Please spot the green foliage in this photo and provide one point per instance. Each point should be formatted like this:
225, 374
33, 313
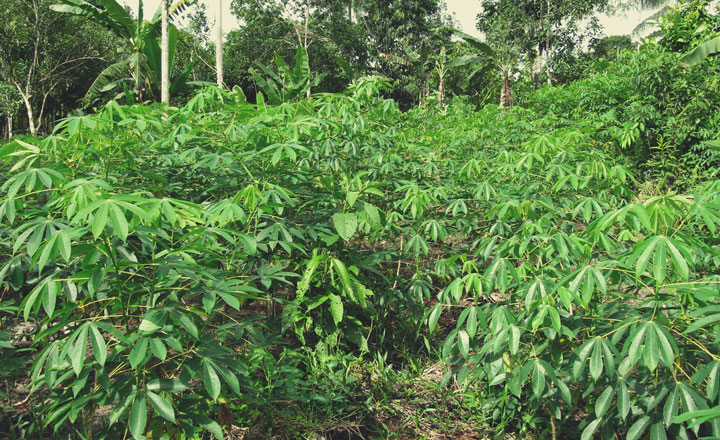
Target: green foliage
142, 40
286, 85
266, 260
647, 106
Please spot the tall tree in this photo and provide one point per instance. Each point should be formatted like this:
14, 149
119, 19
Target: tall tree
219, 59
143, 62
343, 37
10, 104
533, 26
165, 54
39, 54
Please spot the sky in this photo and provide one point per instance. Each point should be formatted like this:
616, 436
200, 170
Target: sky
463, 10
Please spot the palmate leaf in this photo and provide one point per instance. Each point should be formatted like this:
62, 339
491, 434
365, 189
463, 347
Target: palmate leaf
599, 353
707, 212
659, 249
584, 282
500, 274
652, 342
663, 211
114, 210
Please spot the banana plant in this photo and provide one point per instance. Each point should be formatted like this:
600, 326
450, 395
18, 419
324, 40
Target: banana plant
701, 52
417, 62
141, 37
286, 85
489, 60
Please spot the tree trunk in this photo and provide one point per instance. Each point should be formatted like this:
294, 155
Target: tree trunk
31, 116
305, 43
219, 48
506, 99
10, 127
547, 49
165, 56
536, 66
441, 90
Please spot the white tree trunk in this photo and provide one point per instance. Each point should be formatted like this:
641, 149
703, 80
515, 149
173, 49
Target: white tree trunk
219, 47
165, 56
31, 116
10, 127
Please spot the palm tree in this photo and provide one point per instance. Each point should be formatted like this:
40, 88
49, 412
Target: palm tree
489, 60
662, 6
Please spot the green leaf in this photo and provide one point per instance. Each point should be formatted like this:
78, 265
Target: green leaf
119, 222
98, 344
703, 322
64, 245
564, 392
713, 381
310, 269
99, 220
590, 430
211, 379
596, 362
623, 400
345, 224
651, 354
77, 355
638, 428
161, 406
153, 321
49, 250
138, 417
336, 308
351, 197
514, 339
50, 297
342, 273
171, 385
672, 406
701, 52
434, 317
698, 414
657, 432
464, 343
32, 298
214, 428
373, 215
465, 60
603, 402
538, 380
665, 345
137, 354
157, 347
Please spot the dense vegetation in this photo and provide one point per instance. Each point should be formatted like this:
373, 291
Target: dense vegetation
298, 264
